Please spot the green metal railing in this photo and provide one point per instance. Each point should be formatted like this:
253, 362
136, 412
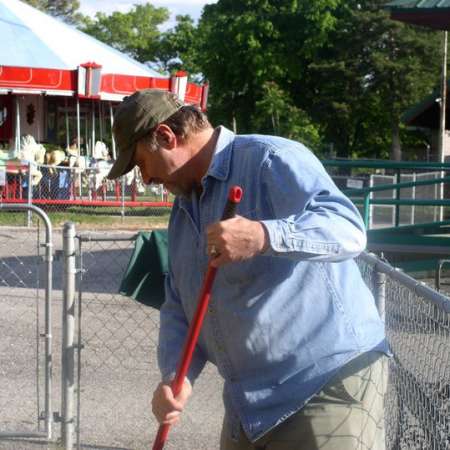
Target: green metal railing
366, 201
385, 164
362, 196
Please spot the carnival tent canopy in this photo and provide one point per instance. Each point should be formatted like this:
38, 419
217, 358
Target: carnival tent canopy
31, 38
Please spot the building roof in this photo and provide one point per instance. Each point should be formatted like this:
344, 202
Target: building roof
426, 113
428, 13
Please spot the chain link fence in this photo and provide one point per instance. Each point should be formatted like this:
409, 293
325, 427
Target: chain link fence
117, 340
26, 324
417, 319
108, 345
116, 367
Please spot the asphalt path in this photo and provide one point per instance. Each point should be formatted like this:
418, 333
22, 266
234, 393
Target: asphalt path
118, 370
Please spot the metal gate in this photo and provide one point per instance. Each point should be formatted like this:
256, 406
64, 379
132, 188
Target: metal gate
26, 324
114, 364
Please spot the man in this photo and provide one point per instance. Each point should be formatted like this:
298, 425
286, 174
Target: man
292, 327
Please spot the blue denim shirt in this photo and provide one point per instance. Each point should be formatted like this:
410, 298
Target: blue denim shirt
280, 325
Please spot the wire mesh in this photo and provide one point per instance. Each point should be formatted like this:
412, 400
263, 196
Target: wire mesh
118, 372
117, 367
23, 319
417, 404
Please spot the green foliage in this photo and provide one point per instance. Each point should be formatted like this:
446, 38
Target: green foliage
178, 48
135, 32
343, 65
330, 73
276, 114
247, 43
62, 9
371, 70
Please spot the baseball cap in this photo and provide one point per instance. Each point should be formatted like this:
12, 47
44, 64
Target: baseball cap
134, 118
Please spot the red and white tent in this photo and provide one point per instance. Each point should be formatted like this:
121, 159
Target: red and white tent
42, 57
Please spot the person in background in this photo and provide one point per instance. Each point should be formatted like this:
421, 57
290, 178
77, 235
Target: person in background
292, 327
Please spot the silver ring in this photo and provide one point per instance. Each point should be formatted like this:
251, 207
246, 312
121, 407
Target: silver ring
213, 250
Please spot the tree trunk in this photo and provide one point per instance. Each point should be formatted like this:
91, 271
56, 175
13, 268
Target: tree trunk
234, 123
396, 146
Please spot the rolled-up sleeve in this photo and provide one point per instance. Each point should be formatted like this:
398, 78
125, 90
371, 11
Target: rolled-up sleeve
314, 219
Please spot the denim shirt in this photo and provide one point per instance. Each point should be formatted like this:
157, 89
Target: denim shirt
280, 325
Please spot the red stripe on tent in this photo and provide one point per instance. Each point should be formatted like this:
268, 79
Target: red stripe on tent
34, 78
67, 80
127, 84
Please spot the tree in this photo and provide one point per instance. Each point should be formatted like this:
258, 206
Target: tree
350, 69
276, 114
369, 72
66, 10
135, 32
246, 43
178, 47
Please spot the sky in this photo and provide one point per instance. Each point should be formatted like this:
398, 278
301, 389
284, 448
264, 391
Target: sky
191, 7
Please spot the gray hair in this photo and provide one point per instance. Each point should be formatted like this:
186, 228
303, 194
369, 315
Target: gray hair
187, 120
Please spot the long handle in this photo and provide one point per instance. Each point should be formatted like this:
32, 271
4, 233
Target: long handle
234, 197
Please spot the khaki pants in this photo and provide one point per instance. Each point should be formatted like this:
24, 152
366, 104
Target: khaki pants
346, 415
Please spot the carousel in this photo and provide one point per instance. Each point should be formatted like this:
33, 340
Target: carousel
59, 89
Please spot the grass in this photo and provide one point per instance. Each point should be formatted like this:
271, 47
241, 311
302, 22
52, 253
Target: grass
94, 220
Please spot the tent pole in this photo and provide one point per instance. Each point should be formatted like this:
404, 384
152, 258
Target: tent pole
79, 147
86, 135
100, 118
40, 109
17, 139
113, 142
78, 128
93, 126
67, 123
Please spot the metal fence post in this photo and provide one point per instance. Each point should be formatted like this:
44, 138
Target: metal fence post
68, 324
380, 293
122, 208
30, 193
48, 330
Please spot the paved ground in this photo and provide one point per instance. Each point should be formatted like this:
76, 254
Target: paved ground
118, 370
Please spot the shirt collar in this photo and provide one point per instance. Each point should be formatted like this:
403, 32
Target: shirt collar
220, 163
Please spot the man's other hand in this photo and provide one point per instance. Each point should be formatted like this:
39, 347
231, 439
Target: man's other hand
165, 406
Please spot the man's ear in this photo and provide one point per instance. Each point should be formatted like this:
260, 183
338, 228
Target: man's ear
166, 137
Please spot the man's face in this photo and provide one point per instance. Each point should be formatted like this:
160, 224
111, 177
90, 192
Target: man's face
165, 167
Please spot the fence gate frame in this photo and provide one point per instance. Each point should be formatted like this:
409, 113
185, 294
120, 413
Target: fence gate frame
47, 414
72, 344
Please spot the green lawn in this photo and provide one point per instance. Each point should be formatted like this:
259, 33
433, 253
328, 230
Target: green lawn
90, 218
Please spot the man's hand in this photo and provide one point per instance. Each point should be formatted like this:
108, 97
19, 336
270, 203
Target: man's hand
165, 406
235, 239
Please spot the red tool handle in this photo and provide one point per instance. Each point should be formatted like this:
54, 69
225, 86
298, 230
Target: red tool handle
234, 197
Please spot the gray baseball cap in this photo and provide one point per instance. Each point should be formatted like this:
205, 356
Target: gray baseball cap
135, 117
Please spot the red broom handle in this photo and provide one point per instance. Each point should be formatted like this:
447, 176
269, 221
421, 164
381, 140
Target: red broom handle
234, 197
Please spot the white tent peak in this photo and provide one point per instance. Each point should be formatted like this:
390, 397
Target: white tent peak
31, 38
